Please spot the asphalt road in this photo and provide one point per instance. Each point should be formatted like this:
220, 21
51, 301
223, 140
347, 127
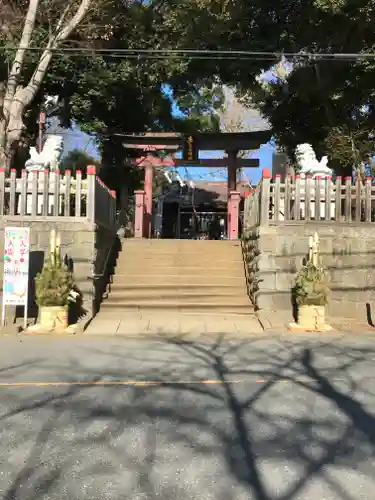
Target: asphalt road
261, 419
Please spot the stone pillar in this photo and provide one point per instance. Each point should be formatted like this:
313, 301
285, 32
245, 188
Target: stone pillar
139, 219
233, 214
91, 184
265, 196
148, 199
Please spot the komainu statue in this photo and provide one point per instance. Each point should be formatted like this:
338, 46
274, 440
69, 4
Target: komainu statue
50, 156
308, 163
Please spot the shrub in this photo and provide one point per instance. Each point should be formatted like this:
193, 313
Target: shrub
311, 286
54, 284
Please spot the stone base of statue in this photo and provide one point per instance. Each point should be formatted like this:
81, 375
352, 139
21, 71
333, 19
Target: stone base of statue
311, 319
308, 185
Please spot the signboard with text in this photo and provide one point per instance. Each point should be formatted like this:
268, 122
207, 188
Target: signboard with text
190, 151
16, 266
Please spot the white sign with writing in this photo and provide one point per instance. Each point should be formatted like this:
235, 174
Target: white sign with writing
16, 267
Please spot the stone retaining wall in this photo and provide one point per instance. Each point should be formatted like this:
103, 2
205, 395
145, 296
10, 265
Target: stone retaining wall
79, 244
276, 252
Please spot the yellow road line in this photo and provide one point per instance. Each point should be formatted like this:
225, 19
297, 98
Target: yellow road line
133, 383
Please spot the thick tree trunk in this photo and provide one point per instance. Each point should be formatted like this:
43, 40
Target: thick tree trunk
4, 159
10, 135
4, 152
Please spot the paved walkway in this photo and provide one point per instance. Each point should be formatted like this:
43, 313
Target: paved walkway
174, 324
193, 325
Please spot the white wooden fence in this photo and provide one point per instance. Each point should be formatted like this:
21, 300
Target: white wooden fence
309, 199
43, 194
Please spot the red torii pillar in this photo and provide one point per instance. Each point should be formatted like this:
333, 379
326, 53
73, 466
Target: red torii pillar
149, 173
139, 214
234, 197
143, 199
143, 210
233, 214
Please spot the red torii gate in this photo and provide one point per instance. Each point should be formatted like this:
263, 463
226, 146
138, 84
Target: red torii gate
231, 143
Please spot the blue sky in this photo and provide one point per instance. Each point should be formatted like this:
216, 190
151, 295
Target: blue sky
76, 139
264, 154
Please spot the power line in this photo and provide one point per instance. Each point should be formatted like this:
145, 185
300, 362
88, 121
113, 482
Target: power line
170, 56
201, 53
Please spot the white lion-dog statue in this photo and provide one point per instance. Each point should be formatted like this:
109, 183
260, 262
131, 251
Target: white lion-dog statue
47, 159
309, 165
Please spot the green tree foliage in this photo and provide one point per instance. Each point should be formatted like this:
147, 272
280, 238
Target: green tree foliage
321, 96
27, 25
350, 148
77, 160
107, 95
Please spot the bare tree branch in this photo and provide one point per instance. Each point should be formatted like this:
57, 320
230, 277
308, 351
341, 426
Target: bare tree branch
74, 21
17, 98
29, 92
62, 18
15, 71
235, 116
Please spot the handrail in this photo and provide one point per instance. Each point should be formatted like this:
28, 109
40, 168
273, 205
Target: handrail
96, 276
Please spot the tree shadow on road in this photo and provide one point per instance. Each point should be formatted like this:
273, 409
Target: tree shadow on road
280, 418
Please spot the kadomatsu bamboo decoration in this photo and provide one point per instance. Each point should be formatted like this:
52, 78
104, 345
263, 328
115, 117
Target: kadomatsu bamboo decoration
53, 289
311, 291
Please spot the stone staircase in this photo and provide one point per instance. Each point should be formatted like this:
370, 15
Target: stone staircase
181, 276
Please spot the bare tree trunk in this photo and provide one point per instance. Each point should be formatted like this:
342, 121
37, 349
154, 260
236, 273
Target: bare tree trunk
7, 143
5, 159
3, 154
15, 99
11, 132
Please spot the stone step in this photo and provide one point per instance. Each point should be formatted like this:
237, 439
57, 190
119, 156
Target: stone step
160, 295
184, 299
180, 280
192, 308
133, 271
193, 244
179, 242
173, 289
182, 246
219, 257
175, 268
107, 314
218, 260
